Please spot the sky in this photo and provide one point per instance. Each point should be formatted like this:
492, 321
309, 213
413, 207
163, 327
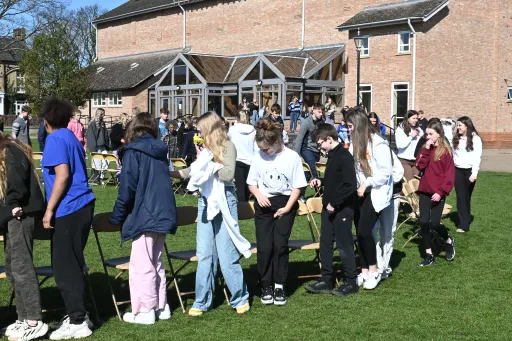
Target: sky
107, 4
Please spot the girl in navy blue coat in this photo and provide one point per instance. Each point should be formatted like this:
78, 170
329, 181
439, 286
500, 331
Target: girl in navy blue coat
146, 209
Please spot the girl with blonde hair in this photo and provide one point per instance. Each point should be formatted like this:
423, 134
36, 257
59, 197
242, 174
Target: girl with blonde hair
214, 235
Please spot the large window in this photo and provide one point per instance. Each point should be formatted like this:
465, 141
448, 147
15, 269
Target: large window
400, 101
365, 50
20, 83
115, 99
112, 99
404, 42
99, 99
333, 71
365, 96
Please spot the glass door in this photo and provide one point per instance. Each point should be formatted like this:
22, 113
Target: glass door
195, 106
400, 102
179, 106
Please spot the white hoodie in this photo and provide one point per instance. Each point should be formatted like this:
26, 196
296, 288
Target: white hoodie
242, 136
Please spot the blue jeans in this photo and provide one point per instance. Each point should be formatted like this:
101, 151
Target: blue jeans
311, 158
254, 117
213, 245
294, 116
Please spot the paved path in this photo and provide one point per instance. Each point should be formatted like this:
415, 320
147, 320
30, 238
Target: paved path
497, 160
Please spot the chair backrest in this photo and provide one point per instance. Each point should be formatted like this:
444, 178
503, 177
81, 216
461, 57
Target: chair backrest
245, 210
101, 223
414, 184
37, 156
179, 163
187, 215
320, 167
314, 205
306, 168
110, 158
97, 156
303, 209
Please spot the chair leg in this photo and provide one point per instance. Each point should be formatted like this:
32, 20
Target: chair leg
403, 222
113, 295
408, 240
175, 280
93, 300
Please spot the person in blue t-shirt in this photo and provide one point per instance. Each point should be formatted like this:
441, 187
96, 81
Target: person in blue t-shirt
69, 212
162, 129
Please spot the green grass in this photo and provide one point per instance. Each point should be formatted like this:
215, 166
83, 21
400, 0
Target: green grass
467, 299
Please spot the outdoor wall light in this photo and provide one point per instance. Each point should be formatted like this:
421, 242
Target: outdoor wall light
259, 83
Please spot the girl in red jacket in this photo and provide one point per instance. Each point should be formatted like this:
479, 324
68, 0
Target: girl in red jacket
436, 160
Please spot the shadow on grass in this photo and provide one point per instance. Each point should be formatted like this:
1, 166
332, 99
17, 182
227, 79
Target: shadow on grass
454, 218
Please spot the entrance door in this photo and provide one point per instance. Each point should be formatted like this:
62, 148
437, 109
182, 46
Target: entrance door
195, 106
400, 102
179, 106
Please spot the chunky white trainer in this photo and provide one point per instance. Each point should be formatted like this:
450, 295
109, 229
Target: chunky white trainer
140, 318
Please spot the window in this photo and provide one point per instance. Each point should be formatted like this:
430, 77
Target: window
19, 106
365, 50
115, 99
99, 99
365, 96
509, 97
400, 101
20, 83
404, 42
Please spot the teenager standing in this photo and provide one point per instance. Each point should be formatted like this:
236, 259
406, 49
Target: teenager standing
77, 127
21, 126
436, 160
69, 212
164, 116
294, 109
467, 155
98, 142
275, 179
374, 170
407, 136
22, 206
146, 209
339, 198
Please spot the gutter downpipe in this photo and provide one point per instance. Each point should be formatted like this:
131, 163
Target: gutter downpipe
413, 99
303, 24
184, 26
96, 42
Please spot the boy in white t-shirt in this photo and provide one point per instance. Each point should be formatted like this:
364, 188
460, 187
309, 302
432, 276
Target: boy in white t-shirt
275, 180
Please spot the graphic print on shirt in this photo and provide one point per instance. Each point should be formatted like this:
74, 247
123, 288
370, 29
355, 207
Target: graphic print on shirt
275, 181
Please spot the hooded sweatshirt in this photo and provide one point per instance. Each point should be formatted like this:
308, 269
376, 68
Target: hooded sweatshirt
242, 136
145, 202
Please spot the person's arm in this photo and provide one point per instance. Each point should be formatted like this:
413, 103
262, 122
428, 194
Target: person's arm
91, 137
15, 129
298, 181
252, 182
227, 173
127, 188
189, 139
477, 151
402, 140
448, 179
60, 186
300, 136
347, 183
383, 166
382, 129
41, 135
423, 158
18, 176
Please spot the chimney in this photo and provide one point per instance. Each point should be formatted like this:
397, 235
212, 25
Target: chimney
19, 34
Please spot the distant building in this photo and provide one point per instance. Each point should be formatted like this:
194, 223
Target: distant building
12, 82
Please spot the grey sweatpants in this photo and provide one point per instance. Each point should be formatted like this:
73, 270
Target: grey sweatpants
19, 268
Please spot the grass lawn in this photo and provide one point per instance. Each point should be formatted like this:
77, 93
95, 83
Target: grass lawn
467, 299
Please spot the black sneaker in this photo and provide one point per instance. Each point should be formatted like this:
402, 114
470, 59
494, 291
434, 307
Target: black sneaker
267, 296
279, 297
346, 289
450, 250
320, 287
429, 260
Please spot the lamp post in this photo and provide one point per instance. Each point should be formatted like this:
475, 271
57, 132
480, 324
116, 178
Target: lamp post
358, 40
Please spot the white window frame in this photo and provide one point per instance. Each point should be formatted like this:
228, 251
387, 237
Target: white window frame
401, 45
391, 113
99, 99
20, 83
509, 94
366, 91
19, 105
111, 102
367, 54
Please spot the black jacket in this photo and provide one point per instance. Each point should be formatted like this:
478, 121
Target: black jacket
95, 134
340, 183
116, 135
22, 187
189, 149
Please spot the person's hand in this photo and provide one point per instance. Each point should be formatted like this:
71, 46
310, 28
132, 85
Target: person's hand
330, 209
123, 141
472, 178
17, 212
436, 197
428, 144
199, 149
263, 200
315, 183
281, 212
413, 133
47, 220
361, 189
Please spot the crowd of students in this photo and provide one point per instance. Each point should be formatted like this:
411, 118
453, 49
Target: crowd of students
361, 186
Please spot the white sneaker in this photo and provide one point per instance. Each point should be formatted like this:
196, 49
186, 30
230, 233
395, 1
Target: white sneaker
15, 330
71, 331
31, 333
164, 314
372, 280
361, 279
65, 319
140, 318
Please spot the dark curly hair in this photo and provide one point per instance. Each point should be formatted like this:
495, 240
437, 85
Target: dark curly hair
58, 112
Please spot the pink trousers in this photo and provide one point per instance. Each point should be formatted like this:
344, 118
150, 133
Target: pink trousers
147, 273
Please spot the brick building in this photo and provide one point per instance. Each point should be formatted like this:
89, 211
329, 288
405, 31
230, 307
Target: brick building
448, 58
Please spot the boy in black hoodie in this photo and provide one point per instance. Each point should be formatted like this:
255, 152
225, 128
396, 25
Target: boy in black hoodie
338, 201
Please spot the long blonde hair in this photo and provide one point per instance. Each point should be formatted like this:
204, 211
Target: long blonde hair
214, 135
5, 142
443, 146
123, 119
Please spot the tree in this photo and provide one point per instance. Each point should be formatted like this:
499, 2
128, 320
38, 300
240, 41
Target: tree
52, 69
83, 32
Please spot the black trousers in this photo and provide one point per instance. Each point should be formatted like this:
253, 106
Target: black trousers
19, 268
430, 218
365, 219
241, 174
464, 189
68, 261
338, 226
272, 235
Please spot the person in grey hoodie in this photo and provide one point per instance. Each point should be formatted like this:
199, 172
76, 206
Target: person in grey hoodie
306, 147
98, 142
242, 135
21, 126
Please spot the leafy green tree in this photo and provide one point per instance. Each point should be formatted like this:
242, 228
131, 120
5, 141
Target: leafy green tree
52, 69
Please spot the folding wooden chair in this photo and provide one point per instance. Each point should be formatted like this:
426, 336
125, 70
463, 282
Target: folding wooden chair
101, 224
178, 164
2, 272
112, 170
320, 167
98, 157
37, 157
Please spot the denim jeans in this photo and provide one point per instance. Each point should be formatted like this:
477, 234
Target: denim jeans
214, 245
384, 234
254, 117
311, 158
294, 116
